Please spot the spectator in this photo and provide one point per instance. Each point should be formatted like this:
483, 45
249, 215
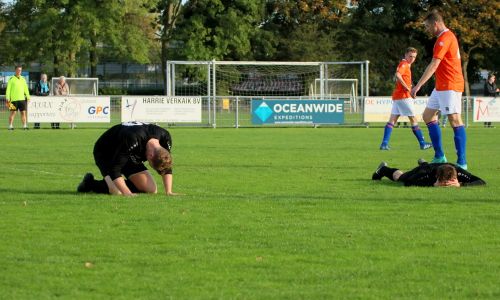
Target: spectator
61, 89
17, 96
490, 90
41, 89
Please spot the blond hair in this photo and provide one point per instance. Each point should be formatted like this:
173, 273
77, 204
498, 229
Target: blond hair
161, 161
411, 50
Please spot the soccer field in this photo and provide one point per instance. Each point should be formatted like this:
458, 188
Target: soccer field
268, 213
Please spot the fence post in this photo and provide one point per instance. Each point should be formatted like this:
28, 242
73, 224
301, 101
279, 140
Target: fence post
167, 79
237, 120
467, 112
322, 81
367, 78
209, 94
214, 93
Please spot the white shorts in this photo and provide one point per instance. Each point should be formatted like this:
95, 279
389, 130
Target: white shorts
403, 107
448, 102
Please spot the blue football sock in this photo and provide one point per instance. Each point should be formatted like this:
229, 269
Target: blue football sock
387, 133
460, 141
435, 134
418, 133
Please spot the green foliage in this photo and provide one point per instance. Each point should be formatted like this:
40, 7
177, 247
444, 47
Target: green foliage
377, 31
305, 30
112, 91
62, 35
66, 35
220, 30
297, 218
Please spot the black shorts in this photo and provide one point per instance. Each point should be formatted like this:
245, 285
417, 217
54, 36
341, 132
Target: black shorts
18, 105
130, 168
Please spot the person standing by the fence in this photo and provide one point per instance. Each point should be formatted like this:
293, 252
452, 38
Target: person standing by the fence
490, 90
447, 95
402, 103
17, 96
42, 89
61, 88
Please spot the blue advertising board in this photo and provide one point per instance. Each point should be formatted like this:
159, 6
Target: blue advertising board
297, 112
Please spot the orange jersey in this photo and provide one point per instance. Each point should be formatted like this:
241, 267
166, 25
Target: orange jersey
404, 68
449, 72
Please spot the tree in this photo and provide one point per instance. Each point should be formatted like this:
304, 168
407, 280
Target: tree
48, 31
377, 31
4, 51
305, 29
64, 35
168, 14
219, 29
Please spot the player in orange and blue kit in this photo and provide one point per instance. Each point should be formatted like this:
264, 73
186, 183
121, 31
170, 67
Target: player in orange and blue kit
447, 95
402, 104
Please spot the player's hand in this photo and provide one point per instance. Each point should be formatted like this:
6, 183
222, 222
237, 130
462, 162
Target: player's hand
7, 103
130, 195
413, 92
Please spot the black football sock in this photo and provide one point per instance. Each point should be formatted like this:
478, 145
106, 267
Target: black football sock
99, 187
387, 172
132, 187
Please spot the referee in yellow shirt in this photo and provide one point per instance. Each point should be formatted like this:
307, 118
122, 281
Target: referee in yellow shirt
17, 96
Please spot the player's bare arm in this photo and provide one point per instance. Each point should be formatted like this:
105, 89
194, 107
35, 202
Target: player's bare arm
168, 180
401, 80
429, 71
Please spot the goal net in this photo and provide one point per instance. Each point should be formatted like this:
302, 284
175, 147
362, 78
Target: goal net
338, 88
276, 80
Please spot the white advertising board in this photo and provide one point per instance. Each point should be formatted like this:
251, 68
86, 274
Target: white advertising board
161, 109
486, 109
68, 109
378, 109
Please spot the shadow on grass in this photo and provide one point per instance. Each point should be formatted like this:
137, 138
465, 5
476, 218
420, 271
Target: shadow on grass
38, 192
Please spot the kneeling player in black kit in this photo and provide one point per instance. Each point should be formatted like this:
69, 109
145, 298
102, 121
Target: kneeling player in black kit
121, 150
426, 174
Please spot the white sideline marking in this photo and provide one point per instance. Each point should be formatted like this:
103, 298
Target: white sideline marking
41, 172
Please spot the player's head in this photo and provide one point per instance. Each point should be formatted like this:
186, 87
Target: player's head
434, 22
491, 77
161, 161
410, 54
18, 70
446, 176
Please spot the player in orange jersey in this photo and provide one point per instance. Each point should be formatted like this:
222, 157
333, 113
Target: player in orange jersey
402, 104
447, 95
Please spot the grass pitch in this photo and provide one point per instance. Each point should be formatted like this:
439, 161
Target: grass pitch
268, 214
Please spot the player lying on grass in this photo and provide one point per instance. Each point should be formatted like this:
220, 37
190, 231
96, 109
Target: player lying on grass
429, 174
121, 151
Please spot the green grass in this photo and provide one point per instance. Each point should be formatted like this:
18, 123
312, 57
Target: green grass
268, 214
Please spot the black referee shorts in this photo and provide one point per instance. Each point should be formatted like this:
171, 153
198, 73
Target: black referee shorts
20, 105
130, 168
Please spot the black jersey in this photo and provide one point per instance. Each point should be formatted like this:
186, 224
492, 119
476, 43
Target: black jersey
425, 175
125, 143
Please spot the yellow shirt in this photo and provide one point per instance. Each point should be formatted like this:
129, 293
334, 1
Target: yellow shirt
17, 89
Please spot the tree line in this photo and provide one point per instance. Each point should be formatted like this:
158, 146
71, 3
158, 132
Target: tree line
66, 35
